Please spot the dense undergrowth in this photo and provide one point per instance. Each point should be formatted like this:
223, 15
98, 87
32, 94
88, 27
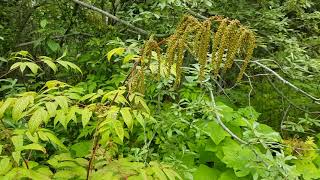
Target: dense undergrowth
206, 90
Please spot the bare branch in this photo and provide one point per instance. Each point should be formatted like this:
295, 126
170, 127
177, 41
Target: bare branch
134, 28
285, 81
218, 119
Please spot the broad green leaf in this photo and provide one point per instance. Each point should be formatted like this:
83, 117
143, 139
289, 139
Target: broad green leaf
54, 46
20, 105
17, 141
49, 136
23, 67
67, 64
5, 105
50, 64
125, 112
60, 117
23, 173
117, 51
16, 65
204, 172
36, 119
159, 173
55, 83
139, 118
86, 115
51, 108
5, 165
33, 67
171, 174
71, 115
216, 133
140, 100
34, 138
62, 101
34, 146
128, 57
118, 127
81, 149
73, 66
16, 156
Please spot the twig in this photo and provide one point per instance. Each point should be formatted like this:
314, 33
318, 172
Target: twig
55, 37
283, 119
286, 82
109, 15
221, 123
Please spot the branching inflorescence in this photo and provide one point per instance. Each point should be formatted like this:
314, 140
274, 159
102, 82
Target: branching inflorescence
229, 40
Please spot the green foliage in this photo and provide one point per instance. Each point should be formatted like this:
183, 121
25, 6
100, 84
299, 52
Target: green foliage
84, 96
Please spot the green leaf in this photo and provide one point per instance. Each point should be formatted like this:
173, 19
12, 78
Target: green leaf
43, 23
172, 175
125, 112
117, 51
139, 118
16, 65
20, 105
34, 146
119, 129
159, 173
49, 62
53, 45
16, 156
86, 115
204, 172
23, 67
5, 105
49, 136
51, 108
67, 64
62, 101
36, 119
216, 133
128, 57
33, 67
139, 100
82, 148
5, 165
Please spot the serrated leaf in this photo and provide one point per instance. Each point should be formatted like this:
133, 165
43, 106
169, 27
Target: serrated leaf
118, 127
33, 67
62, 101
5, 105
171, 174
51, 108
20, 105
34, 146
86, 115
125, 112
117, 51
36, 119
